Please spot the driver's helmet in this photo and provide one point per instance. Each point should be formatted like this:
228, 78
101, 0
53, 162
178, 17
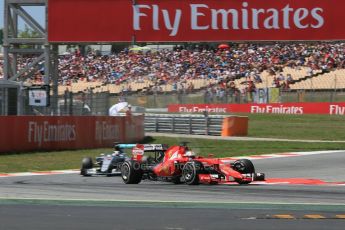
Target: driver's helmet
189, 153
116, 153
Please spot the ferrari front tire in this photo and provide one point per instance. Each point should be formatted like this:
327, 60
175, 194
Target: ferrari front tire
243, 166
131, 172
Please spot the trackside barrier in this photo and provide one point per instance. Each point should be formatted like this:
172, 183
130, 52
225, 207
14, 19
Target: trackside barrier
235, 126
336, 108
196, 124
30, 133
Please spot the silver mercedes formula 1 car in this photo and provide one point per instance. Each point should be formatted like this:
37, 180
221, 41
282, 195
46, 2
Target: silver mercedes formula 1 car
105, 164
110, 164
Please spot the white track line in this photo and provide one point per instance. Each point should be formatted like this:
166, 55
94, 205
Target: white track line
171, 201
45, 173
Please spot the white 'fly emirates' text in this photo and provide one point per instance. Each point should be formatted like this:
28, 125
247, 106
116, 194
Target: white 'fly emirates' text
202, 17
46, 132
277, 109
336, 110
196, 109
106, 131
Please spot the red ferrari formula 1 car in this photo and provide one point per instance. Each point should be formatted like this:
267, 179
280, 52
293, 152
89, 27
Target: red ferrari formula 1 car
178, 164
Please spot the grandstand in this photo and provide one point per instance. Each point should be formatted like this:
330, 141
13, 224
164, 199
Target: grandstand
194, 75
310, 66
302, 77
327, 81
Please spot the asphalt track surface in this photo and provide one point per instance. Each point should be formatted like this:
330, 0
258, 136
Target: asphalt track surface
75, 202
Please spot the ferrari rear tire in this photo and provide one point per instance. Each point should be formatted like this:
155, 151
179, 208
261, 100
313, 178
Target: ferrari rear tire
85, 165
190, 172
243, 166
131, 172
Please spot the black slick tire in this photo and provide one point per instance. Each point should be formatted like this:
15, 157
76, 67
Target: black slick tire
190, 172
243, 166
85, 165
131, 172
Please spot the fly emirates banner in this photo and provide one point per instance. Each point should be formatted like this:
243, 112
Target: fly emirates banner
277, 108
194, 20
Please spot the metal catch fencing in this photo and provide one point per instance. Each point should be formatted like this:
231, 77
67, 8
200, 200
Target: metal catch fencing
98, 103
184, 124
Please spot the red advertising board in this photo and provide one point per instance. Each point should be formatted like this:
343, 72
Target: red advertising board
194, 20
28, 133
277, 108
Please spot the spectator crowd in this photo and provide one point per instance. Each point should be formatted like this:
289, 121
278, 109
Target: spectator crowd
177, 66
